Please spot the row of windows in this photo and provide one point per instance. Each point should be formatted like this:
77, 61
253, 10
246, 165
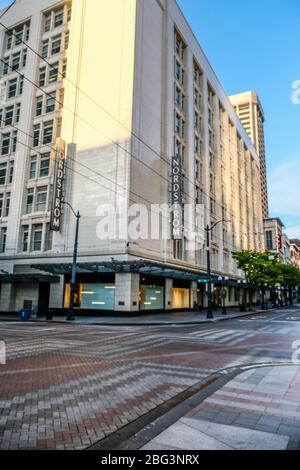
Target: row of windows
36, 237
50, 74
12, 88
9, 142
55, 45
17, 35
46, 104
39, 166
6, 173
55, 19
37, 200
10, 115
14, 62
4, 204
43, 133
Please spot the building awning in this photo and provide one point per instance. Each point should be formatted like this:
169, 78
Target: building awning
143, 267
28, 278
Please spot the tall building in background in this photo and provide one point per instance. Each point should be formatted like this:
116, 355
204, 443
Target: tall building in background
128, 84
249, 109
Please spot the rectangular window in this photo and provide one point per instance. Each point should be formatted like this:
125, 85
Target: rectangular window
18, 37
25, 238
269, 240
9, 42
45, 48
9, 116
1, 204
64, 68
14, 141
3, 168
15, 63
12, 88
7, 205
32, 168
39, 106
69, 14
53, 73
56, 45
37, 233
45, 165
17, 113
5, 65
3, 235
5, 144
58, 19
29, 201
48, 133
41, 199
50, 104
11, 173
21, 85
27, 32
67, 40
24, 59
36, 136
42, 77
47, 26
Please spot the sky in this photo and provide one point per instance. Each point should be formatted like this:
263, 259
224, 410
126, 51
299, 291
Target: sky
255, 45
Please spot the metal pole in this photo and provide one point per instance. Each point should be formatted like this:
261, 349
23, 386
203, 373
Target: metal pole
210, 315
71, 316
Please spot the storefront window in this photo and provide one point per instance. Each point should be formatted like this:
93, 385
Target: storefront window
181, 298
93, 296
152, 297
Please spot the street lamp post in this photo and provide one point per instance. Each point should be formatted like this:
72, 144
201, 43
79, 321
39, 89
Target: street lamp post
209, 229
70, 315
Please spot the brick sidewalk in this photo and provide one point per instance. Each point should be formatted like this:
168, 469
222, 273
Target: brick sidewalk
260, 409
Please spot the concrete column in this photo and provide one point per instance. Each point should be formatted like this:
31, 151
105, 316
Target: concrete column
7, 298
169, 294
127, 292
193, 293
56, 299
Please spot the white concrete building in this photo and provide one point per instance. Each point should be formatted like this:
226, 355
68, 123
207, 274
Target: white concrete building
128, 84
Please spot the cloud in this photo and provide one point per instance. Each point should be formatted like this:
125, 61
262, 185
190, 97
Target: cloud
284, 188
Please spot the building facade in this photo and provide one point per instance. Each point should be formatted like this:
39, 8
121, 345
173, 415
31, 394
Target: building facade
128, 102
274, 237
250, 111
295, 252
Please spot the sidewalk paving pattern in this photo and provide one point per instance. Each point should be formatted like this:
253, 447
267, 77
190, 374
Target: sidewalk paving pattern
258, 410
68, 386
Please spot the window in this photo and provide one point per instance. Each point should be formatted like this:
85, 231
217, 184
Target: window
61, 97
14, 141
64, 68
29, 201
269, 240
21, 85
41, 199
1, 204
32, 168
42, 77
48, 133
17, 113
67, 40
1, 117
45, 165
7, 205
45, 48
53, 73
6, 66
9, 115
18, 37
37, 233
3, 235
24, 59
5, 144
3, 167
47, 26
11, 173
12, 88
58, 19
39, 106
69, 14
27, 32
36, 136
9, 42
15, 63
56, 45
50, 104
25, 238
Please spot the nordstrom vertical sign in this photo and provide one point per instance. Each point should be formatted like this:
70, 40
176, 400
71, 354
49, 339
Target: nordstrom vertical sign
58, 186
176, 198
